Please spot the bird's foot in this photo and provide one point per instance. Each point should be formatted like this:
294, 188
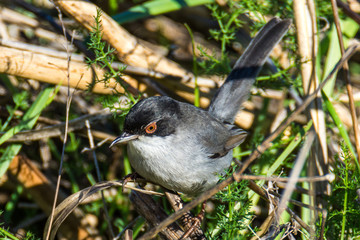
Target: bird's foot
130, 177
196, 222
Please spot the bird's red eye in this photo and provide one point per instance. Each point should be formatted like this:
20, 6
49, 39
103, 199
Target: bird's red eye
151, 128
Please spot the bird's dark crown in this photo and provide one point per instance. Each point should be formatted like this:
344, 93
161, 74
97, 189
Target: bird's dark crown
163, 110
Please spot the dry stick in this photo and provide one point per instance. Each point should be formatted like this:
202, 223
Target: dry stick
186, 220
348, 81
128, 234
300, 221
58, 129
236, 175
141, 71
298, 203
317, 114
319, 160
300, 161
153, 213
265, 195
299, 189
323, 222
92, 147
327, 177
68, 102
305, 22
258, 190
127, 227
347, 10
59, 29
39, 49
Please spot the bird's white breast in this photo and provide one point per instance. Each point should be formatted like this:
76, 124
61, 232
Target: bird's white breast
164, 161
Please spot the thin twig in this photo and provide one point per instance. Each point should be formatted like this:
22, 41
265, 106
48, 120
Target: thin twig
187, 220
127, 227
59, 29
347, 10
128, 234
327, 177
58, 129
295, 173
68, 102
96, 163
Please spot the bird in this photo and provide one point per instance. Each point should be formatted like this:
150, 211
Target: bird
184, 148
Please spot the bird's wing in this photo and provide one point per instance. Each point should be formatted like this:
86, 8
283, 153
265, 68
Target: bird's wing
220, 138
238, 135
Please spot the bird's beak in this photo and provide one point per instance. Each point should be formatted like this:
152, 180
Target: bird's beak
124, 138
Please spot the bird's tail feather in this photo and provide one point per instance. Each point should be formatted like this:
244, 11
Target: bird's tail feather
236, 89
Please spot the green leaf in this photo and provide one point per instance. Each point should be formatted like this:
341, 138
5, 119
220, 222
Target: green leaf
335, 117
332, 57
156, 7
20, 99
28, 121
288, 150
349, 29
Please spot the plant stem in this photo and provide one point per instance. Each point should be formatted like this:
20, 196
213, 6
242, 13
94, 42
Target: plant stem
5, 233
195, 70
346, 183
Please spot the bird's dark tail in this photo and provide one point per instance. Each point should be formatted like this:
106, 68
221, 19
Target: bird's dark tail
236, 89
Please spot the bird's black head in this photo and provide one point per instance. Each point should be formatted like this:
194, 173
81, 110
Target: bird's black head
153, 116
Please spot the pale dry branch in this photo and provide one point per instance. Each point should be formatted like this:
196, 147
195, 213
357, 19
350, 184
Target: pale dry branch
154, 214
127, 46
130, 50
53, 70
306, 26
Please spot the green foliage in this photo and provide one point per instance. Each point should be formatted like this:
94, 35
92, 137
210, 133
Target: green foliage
104, 57
337, 120
21, 101
27, 122
6, 235
344, 208
11, 205
233, 211
229, 23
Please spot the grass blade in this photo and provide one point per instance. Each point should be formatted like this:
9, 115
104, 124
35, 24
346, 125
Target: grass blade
28, 121
156, 7
335, 117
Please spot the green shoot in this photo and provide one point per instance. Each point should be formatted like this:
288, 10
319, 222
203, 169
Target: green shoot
104, 57
195, 70
344, 209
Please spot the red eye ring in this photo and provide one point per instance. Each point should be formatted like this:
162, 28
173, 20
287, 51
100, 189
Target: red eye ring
151, 128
